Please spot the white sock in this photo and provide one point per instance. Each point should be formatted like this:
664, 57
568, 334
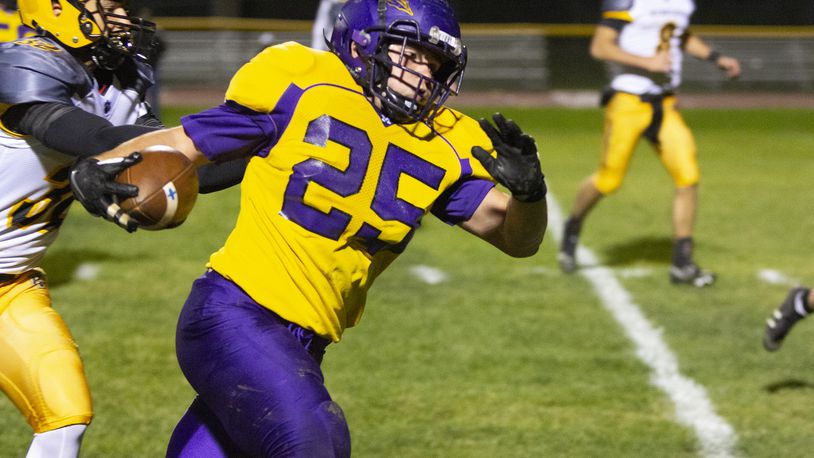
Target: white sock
59, 443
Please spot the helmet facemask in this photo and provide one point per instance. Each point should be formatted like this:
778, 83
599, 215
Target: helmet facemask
429, 93
363, 34
123, 36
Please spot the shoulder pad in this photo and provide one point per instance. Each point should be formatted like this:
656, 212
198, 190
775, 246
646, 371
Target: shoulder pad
616, 5
260, 83
463, 132
38, 70
449, 119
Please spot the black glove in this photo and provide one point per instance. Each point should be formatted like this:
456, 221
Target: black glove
516, 166
94, 186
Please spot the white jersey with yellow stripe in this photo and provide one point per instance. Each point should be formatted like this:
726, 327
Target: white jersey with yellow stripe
645, 28
34, 188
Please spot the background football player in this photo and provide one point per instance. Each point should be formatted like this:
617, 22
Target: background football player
644, 41
11, 28
349, 150
799, 303
324, 22
74, 89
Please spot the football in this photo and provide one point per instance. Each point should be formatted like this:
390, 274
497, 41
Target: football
168, 186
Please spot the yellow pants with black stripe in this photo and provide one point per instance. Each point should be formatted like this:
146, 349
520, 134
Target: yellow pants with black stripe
40, 368
627, 119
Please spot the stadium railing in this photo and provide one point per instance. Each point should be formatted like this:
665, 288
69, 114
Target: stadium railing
525, 57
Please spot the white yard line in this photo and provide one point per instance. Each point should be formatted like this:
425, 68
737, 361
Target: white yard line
86, 271
429, 275
776, 277
693, 407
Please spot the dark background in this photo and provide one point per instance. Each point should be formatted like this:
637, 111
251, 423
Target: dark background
725, 12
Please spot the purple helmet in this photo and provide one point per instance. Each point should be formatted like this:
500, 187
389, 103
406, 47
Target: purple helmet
373, 25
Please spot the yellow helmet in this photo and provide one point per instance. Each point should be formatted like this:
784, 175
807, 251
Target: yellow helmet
74, 28
120, 36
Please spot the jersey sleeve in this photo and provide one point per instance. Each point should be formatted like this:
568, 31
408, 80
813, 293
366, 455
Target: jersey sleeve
616, 13
459, 202
256, 108
229, 131
36, 70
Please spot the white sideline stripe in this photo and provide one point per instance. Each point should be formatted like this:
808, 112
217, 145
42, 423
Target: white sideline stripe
693, 407
427, 274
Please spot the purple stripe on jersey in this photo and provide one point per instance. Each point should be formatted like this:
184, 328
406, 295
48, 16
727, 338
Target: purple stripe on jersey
459, 203
229, 131
232, 130
466, 167
284, 111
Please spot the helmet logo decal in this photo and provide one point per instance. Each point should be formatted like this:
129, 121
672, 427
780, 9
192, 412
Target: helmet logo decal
401, 5
437, 35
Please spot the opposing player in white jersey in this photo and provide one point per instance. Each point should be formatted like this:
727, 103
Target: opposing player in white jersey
75, 89
644, 41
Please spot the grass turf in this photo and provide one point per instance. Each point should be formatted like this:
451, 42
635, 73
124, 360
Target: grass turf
507, 357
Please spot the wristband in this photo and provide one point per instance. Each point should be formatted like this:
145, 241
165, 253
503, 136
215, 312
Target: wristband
714, 56
537, 194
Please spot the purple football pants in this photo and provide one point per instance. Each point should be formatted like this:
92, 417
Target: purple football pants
260, 389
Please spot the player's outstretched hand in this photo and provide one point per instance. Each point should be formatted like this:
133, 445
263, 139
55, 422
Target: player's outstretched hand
516, 165
730, 65
94, 186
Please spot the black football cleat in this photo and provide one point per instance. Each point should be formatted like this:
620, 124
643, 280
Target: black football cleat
691, 274
783, 319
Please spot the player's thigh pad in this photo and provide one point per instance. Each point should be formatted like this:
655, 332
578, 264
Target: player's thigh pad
677, 147
40, 368
265, 389
626, 118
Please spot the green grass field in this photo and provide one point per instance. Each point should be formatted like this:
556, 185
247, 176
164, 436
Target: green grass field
506, 358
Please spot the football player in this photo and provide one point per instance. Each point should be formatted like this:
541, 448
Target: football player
798, 304
644, 41
349, 150
74, 89
11, 28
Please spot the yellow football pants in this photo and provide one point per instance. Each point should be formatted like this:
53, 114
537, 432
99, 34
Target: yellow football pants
627, 119
40, 368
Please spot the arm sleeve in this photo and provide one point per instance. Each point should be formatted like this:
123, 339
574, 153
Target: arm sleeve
69, 129
230, 131
458, 203
214, 177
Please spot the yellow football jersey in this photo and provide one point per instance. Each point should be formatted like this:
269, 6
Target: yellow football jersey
334, 191
11, 28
